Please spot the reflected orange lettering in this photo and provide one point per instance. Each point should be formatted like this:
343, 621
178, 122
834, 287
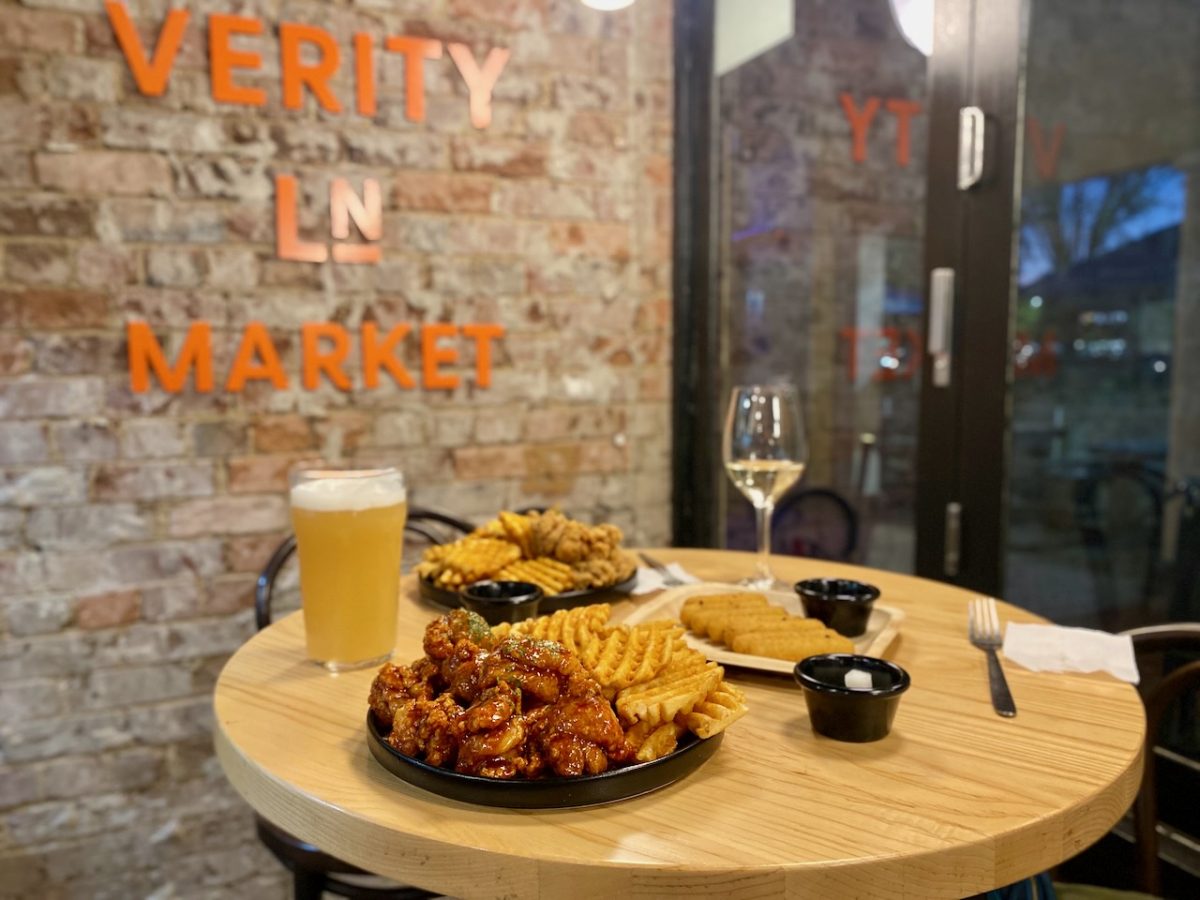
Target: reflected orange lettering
479, 81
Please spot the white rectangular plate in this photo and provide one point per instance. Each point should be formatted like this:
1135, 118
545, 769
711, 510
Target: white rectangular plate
882, 627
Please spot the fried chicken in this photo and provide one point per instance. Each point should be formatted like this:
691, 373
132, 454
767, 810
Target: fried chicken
498, 708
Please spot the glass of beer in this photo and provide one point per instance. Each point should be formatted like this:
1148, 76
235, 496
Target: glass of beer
349, 526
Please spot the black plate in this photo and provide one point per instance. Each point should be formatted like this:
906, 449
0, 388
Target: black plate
546, 793
552, 603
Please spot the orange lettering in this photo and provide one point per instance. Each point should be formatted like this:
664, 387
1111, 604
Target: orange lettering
145, 353
287, 234
317, 361
433, 356
1045, 158
150, 76
256, 360
483, 335
223, 59
416, 51
859, 121
295, 74
376, 353
479, 81
903, 110
364, 74
367, 213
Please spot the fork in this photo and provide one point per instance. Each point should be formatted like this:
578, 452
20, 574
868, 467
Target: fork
668, 579
983, 627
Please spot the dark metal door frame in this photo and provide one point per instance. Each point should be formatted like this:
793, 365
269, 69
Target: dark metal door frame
963, 428
696, 338
962, 453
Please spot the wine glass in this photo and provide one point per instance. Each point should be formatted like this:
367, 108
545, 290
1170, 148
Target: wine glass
765, 451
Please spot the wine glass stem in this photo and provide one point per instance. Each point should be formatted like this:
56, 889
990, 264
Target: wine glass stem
764, 539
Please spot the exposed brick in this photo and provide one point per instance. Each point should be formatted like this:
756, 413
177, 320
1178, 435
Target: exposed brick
150, 438
404, 150
98, 525
228, 515
144, 481
509, 159
592, 239
487, 462
100, 266
71, 353
249, 553
279, 434
258, 474
62, 309
22, 442
39, 263
35, 29
442, 192
142, 219
104, 172
545, 200
43, 486
16, 354
85, 440
41, 214
108, 610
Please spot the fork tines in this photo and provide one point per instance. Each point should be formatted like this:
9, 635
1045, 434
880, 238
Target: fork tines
983, 621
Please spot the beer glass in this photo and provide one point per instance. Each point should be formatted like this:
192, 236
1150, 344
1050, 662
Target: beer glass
349, 526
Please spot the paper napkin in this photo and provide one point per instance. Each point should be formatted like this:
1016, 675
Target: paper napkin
652, 580
1053, 648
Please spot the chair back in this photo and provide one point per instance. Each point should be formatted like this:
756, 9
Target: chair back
1159, 694
432, 527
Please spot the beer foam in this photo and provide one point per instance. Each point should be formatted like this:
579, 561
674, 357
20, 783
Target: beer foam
350, 493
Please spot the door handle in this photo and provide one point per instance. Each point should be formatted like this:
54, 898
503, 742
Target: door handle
953, 539
972, 125
940, 340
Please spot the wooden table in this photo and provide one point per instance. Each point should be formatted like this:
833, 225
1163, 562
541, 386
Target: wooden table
955, 801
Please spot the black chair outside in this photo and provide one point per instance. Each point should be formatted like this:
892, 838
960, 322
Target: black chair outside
1178, 645
313, 871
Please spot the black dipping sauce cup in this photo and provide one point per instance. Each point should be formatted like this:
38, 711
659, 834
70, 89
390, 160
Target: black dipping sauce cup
843, 605
845, 713
502, 601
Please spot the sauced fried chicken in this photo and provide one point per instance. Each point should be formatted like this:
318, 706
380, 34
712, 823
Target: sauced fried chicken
514, 708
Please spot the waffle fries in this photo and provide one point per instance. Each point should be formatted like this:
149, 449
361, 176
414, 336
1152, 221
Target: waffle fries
549, 574
547, 549
465, 561
660, 687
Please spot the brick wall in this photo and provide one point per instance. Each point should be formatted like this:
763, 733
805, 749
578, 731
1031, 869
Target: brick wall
131, 524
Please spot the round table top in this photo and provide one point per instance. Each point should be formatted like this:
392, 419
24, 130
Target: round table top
955, 801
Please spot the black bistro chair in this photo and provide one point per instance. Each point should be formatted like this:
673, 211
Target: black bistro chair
313, 871
1162, 826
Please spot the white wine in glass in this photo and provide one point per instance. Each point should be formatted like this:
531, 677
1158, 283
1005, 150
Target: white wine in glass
764, 451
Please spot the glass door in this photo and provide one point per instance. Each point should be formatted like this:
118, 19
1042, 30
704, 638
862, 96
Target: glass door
1104, 465
814, 195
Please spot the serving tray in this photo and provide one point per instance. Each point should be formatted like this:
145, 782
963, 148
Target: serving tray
882, 628
545, 793
566, 600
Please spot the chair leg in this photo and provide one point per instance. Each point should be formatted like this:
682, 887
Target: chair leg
307, 885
